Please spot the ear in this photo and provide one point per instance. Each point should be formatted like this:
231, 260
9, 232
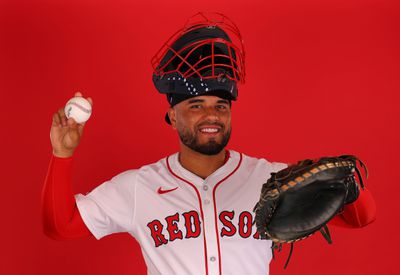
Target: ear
172, 116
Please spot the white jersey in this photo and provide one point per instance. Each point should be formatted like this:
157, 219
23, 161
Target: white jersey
183, 223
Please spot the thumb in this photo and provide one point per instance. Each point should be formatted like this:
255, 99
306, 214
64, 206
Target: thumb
74, 134
80, 128
72, 123
90, 101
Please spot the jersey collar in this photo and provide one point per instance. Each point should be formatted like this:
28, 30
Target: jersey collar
229, 166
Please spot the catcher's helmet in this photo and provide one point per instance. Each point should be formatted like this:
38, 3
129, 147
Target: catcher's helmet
201, 58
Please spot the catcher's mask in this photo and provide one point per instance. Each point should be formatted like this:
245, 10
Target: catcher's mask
200, 59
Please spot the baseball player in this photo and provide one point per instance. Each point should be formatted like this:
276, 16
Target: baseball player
191, 212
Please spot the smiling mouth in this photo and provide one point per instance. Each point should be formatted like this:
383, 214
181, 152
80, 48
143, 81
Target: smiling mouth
210, 130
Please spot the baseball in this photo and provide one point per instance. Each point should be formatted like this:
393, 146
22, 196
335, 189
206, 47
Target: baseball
79, 109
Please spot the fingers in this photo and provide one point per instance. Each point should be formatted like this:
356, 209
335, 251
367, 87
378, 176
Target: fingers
63, 118
90, 100
56, 119
59, 118
79, 94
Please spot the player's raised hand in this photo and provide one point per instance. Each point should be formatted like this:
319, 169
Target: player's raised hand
65, 134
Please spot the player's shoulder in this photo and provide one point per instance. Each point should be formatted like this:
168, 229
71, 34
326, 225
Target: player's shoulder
156, 167
125, 177
263, 163
132, 174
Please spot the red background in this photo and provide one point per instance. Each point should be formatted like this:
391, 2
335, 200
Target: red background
322, 79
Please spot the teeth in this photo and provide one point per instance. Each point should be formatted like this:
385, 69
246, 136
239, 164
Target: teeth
209, 130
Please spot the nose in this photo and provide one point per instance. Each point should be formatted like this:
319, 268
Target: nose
211, 113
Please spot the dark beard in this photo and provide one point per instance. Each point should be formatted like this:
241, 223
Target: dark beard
210, 148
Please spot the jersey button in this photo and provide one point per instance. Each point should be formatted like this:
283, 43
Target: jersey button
212, 259
206, 201
205, 187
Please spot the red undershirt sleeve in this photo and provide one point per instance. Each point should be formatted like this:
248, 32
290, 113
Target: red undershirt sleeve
60, 216
359, 213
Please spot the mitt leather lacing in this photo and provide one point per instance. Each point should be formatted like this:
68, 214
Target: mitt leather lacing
274, 190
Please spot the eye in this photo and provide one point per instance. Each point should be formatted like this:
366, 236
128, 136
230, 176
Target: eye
222, 107
195, 106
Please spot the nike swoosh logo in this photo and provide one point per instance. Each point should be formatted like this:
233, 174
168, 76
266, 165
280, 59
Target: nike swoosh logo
161, 191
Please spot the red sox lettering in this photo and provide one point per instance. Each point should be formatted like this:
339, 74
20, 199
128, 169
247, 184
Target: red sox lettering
168, 229
192, 228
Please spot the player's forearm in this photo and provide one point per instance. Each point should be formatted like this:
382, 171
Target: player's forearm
361, 212
61, 218
357, 214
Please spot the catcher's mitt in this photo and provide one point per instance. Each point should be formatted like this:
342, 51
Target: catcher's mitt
300, 199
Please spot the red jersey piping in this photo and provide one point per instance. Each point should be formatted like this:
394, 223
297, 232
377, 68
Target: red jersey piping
216, 215
215, 207
201, 211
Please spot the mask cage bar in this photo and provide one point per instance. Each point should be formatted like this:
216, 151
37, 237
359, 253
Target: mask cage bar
237, 66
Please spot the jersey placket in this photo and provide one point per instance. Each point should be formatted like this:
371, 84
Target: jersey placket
205, 189
219, 178
210, 226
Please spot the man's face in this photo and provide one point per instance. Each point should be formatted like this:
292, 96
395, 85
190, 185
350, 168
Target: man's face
203, 123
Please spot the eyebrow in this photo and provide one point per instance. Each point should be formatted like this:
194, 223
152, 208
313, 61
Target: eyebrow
223, 101
195, 100
202, 100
